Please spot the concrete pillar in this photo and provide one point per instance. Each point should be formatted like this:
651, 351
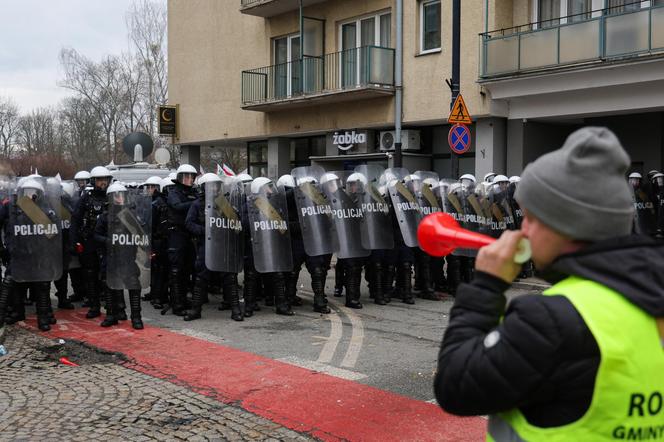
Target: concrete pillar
490, 146
278, 157
516, 136
190, 155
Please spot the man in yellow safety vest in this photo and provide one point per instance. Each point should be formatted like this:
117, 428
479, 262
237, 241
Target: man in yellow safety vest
584, 361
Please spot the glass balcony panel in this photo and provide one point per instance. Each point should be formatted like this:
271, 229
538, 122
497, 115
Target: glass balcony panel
657, 27
502, 55
382, 66
539, 48
627, 33
579, 42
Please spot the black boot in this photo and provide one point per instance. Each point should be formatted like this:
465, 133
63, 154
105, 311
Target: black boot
353, 275
16, 296
109, 300
200, 287
453, 274
41, 291
388, 282
92, 293
405, 283
230, 288
135, 308
63, 302
250, 287
279, 290
318, 278
5, 288
291, 288
178, 292
339, 278
426, 290
376, 272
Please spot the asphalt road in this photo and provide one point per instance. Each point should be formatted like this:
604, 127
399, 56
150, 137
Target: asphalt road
391, 347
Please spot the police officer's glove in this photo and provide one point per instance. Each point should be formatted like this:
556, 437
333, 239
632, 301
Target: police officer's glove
4, 255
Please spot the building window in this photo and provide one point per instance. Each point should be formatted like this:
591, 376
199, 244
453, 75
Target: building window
430, 26
303, 148
619, 6
579, 10
257, 158
372, 30
286, 53
548, 13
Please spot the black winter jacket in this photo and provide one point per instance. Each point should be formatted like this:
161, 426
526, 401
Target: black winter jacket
546, 359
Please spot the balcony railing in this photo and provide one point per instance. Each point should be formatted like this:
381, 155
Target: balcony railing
592, 37
270, 8
367, 67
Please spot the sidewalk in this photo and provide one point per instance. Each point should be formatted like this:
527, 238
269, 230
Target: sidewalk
42, 399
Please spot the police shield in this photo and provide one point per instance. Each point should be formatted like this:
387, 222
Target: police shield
128, 240
65, 209
268, 224
497, 211
405, 204
424, 187
645, 212
467, 206
36, 244
224, 245
347, 215
314, 212
514, 205
376, 224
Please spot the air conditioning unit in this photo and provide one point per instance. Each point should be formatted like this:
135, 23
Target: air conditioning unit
410, 140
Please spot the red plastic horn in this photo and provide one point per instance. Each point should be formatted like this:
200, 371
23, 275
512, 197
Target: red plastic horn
439, 235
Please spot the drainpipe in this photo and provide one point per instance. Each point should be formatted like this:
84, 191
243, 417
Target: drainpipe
455, 85
398, 85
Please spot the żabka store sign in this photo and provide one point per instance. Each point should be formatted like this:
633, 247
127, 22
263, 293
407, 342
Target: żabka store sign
346, 140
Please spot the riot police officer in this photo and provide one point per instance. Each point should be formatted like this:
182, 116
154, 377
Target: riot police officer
217, 212
84, 220
645, 221
123, 236
66, 208
82, 179
32, 232
180, 247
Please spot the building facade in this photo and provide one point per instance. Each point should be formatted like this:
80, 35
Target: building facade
296, 83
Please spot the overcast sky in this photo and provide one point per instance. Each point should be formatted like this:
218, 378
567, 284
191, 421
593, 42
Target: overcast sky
32, 32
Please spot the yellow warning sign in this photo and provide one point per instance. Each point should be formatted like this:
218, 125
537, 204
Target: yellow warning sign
459, 113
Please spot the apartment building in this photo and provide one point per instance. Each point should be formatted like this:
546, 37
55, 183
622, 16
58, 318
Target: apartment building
313, 81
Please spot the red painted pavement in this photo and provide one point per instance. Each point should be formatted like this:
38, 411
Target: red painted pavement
324, 406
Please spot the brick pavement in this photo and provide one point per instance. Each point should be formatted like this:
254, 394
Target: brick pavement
42, 399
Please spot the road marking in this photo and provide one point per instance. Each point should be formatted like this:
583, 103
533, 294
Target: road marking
330, 347
324, 368
200, 335
356, 339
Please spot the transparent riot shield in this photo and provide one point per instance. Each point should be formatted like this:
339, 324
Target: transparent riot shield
128, 241
314, 212
467, 205
425, 190
499, 216
268, 224
347, 215
36, 246
405, 204
645, 214
65, 210
224, 244
376, 225
514, 205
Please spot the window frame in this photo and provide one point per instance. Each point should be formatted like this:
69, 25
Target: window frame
358, 26
422, 4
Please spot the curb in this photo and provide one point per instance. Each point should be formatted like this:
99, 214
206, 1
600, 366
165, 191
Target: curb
532, 286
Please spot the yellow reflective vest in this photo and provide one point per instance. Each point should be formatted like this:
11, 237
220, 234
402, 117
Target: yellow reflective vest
628, 399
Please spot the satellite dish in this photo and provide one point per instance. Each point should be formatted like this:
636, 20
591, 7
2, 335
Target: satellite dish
162, 155
140, 139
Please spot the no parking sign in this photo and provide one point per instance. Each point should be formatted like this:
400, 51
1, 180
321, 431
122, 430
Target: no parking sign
459, 138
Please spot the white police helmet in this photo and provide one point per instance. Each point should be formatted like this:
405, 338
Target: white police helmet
286, 181
153, 180
100, 172
209, 178
328, 177
166, 182
82, 175
258, 183
357, 177
115, 188
245, 177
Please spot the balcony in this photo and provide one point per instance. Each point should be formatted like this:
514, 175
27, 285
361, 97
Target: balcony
358, 73
270, 8
595, 38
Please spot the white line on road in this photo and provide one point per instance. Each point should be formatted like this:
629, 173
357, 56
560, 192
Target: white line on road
324, 368
336, 330
356, 339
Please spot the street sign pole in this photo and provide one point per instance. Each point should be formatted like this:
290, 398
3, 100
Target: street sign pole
456, 61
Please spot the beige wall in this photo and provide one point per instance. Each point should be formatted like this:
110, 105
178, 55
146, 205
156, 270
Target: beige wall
211, 42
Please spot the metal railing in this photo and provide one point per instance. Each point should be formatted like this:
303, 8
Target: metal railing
339, 71
589, 37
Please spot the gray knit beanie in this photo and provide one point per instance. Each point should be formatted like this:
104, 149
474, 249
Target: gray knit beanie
580, 190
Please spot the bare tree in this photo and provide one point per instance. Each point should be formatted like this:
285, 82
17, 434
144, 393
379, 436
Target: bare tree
83, 133
38, 132
101, 84
9, 125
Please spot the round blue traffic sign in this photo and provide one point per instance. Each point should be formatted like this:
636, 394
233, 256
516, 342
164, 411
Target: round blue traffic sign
459, 138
